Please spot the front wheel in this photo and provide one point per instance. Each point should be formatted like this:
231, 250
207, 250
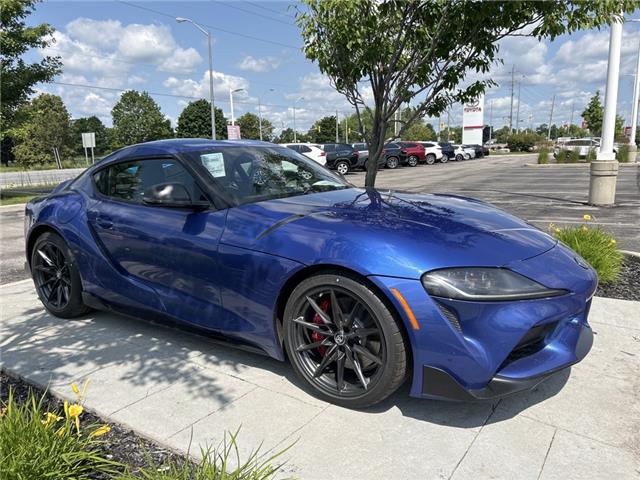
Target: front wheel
444, 159
56, 277
343, 341
392, 162
412, 161
342, 167
459, 157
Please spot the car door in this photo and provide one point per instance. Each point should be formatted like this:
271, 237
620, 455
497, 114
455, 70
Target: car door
172, 250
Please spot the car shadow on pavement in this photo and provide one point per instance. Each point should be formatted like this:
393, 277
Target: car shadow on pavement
146, 357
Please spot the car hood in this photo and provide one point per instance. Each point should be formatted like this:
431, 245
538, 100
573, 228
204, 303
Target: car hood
385, 232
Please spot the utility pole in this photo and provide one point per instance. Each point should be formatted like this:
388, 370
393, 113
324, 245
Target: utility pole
518, 107
531, 122
553, 103
396, 125
633, 150
513, 71
448, 126
573, 105
604, 170
490, 121
337, 137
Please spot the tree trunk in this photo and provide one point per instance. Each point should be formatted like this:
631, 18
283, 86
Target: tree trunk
376, 144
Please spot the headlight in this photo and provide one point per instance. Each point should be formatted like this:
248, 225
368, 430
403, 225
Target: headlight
484, 284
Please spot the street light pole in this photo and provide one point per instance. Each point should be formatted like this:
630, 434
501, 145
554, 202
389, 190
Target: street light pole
295, 133
231, 92
604, 170
260, 111
634, 113
211, 99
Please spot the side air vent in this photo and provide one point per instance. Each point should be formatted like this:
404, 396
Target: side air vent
451, 316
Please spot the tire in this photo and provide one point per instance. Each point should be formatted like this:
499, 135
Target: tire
431, 159
342, 167
444, 159
56, 277
459, 157
383, 366
412, 161
392, 163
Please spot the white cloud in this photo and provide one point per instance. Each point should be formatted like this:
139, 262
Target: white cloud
146, 43
222, 83
259, 64
181, 60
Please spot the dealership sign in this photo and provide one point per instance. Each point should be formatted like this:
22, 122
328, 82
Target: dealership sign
473, 121
233, 132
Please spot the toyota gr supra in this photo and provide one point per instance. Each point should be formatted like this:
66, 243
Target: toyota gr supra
359, 289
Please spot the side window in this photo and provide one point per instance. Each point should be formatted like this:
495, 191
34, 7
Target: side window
129, 180
295, 148
304, 149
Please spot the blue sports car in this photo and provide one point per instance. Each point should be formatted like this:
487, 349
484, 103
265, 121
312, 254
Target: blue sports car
358, 288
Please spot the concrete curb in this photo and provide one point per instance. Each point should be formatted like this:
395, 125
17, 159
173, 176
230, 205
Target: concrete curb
631, 253
580, 164
15, 207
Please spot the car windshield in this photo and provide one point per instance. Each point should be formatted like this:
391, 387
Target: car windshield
254, 174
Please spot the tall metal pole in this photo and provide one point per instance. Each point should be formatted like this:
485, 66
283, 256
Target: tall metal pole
604, 170
295, 135
233, 120
518, 107
513, 71
260, 117
553, 103
337, 137
213, 108
573, 106
448, 126
490, 121
634, 110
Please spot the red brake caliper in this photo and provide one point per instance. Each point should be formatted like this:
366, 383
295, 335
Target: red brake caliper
315, 336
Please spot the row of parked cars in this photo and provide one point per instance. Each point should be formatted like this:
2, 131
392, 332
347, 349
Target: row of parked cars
344, 157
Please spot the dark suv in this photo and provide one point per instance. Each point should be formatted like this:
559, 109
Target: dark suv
340, 157
394, 155
476, 148
448, 152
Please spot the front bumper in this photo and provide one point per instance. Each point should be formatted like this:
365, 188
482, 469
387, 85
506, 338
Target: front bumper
437, 383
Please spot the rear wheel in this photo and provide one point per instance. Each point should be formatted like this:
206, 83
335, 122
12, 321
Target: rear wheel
342, 167
444, 159
412, 161
56, 277
343, 341
431, 159
392, 162
459, 157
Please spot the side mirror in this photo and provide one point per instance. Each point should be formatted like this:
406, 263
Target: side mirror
172, 195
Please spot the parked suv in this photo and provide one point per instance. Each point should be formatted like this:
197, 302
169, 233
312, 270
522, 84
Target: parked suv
448, 152
415, 152
314, 152
433, 151
394, 155
340, 156
363, 156
478, 150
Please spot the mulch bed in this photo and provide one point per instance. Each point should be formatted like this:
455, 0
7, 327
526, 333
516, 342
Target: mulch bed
120, 444
628, 285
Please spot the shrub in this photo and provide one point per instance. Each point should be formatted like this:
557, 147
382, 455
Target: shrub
573, 156
596, 246
561, 156
37, 443
214, 465
592, 154
623, 153
543, 155
522, 141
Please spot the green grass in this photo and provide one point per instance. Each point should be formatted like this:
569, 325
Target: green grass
623, 154
596, 246
34, 445
76, 162
17, 199
543, 156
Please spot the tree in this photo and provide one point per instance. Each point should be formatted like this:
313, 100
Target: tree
323, 130
195, 121
454, 136
593, 114
250, 127
18, 76
286, 136
137, 118
398, 50
47, 125
86, 125
420, 130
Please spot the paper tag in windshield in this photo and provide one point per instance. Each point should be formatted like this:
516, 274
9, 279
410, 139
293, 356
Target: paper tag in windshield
214, 162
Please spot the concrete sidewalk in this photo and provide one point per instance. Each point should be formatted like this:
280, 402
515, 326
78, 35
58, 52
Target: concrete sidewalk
169, 385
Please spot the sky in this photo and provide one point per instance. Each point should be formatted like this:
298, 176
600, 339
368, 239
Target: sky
110, 46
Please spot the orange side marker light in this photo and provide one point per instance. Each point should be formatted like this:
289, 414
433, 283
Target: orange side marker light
407, 309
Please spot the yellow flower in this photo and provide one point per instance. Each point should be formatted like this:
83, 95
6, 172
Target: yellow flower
586, 217
75, 389
584, 229
60, 431
50, 418
66, 408
101, 431
75, 410
3, 411
557, 230
613, 242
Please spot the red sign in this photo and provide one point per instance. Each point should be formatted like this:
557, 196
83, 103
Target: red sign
233, 132
627, 131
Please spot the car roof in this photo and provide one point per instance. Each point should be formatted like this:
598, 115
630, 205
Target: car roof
180, 145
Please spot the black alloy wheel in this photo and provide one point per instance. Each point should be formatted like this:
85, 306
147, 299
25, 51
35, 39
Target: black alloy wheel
392, 162
431, 159
459, 157
56, 278
412, 161
343, 341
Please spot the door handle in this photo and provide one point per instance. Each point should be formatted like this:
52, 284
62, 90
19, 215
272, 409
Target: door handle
103, 222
